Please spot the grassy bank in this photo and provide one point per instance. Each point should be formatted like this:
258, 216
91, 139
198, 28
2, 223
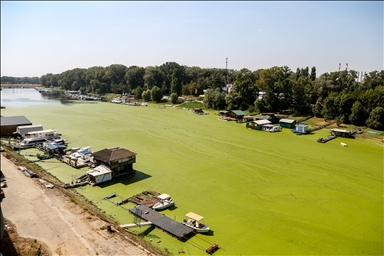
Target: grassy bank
261, 193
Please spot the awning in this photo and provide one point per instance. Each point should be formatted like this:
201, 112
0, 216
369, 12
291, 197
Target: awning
194, 216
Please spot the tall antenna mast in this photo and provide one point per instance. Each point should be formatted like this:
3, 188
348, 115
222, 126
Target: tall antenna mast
226, 68
226, 74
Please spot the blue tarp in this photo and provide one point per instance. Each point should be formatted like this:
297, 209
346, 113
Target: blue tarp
55, 146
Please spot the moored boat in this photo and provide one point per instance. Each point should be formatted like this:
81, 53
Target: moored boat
165, 202
193, 221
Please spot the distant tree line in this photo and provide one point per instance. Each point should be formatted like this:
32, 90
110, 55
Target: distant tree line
335, 95
19, 80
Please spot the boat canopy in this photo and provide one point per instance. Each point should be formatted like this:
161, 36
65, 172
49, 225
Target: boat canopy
163, 196
194, 216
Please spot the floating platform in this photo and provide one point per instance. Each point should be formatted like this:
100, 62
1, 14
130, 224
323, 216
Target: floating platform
166, 224
148, 198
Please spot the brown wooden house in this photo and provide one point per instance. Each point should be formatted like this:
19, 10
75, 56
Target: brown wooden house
119, 160
237, 114
9, 124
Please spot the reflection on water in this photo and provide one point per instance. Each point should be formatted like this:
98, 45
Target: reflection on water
23, 97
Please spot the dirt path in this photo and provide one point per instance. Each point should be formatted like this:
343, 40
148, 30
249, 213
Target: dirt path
49, 216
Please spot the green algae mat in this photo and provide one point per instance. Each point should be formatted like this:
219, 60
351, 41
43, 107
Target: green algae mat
260, 193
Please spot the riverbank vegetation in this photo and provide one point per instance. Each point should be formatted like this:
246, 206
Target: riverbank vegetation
347, 96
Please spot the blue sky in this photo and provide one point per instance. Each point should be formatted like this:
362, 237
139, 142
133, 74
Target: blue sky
51, 37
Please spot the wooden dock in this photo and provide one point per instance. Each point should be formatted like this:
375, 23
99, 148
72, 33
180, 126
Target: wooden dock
148, 198
166, 224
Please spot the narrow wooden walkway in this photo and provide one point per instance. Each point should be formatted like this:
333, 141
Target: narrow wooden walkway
136, 224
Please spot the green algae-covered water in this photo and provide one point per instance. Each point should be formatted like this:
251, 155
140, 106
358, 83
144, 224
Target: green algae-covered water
261, 193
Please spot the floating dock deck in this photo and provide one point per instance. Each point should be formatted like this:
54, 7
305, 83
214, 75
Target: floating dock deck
163, 222
147, 198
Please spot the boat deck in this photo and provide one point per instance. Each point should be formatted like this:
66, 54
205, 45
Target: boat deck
163, 222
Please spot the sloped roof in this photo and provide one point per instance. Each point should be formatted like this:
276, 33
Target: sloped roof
288, 121
262, 122
14, 120
112, 154
238, 112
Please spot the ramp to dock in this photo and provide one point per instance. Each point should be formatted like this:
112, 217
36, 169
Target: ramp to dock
163, 222
136, 224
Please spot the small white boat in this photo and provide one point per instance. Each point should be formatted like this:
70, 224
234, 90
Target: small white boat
165, 202
194, 222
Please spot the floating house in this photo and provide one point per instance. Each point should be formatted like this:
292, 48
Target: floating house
257, 124
342, 133
24, 129
270, 117
236, 114
301, 128
99, 175
9, 124
119, 160
287, 123
79, 157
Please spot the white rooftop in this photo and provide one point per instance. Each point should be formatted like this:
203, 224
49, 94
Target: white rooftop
99, 170
163, 196
290, 121
261, 122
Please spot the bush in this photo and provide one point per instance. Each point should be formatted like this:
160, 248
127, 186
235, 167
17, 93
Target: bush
156, 94
146, 95
173, 98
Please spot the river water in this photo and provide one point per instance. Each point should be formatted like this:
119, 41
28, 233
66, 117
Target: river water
26, 97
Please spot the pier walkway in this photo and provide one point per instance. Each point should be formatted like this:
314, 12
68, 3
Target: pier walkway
163, 222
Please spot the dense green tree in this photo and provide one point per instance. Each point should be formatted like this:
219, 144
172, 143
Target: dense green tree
172, 72
372, 80
345, 102
312, 76
301, 90
156, 94
235, 101
176, 84
376, 119
305, 72
138, 92
330, 107
259, 105
134, 77
153, 76
146, 95
245, 86
214, 99
316, 110
277, 84
358, 114
19, 80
